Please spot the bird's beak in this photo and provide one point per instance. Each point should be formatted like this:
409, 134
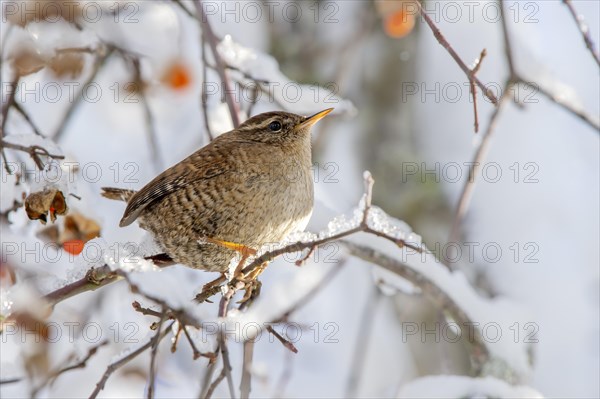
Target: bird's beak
311, 120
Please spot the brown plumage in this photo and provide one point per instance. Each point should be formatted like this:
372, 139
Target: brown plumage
250, 186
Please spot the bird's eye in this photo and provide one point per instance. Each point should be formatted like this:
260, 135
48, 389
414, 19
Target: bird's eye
275, 126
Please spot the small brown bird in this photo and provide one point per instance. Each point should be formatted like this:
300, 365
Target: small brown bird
249, 187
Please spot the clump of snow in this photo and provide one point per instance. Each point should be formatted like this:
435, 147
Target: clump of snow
6, 302
457, 386
496, 320
130, 263
264, 67
23, 298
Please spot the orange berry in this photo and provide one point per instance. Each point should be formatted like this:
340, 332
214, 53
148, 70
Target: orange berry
399, 24
74, 247
177, 76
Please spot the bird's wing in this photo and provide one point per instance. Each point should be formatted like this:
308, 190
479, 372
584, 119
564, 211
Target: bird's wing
192, 169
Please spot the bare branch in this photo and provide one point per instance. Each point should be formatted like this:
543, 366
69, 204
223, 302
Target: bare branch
11, 380
286, 375
9, 103
98, 65
507, 43
442, 40
94, 279
365, 328
184, 8
53, 375
153, 353
563, 103
480, 155
311, 293
148, 118
180, 316
34, 151
474, 90
204, 93
82, 363
516, 78
212, 41
246, 381
479, 352
287, 344
214, 384
18, 107
124, 360
585, 31
223, 305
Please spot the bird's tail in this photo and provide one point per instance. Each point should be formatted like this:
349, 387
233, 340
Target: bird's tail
119, 194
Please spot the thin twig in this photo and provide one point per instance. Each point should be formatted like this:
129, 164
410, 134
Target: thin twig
475, 166
9, 103
154, 352
124, 360
196, 353
326, 279
184, 8
585, 31
206, 380
507, 43
246, 380
474, 89
286, 344
214, 384
11, 380
157, 161
444, 43
34, 151
18, 107
365, 329
87, 50
561, 102
7, 34
53, 375
82, 363
286, 376
223, 306
226, 83
204, 93
98, 65
179, 314
442, 300
5, 163
175, 314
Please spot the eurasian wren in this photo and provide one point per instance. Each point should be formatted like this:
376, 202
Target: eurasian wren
250, 186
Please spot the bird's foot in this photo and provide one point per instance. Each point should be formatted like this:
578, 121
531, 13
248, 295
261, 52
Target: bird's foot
211, 288
251, 284
252, 291
251, 275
